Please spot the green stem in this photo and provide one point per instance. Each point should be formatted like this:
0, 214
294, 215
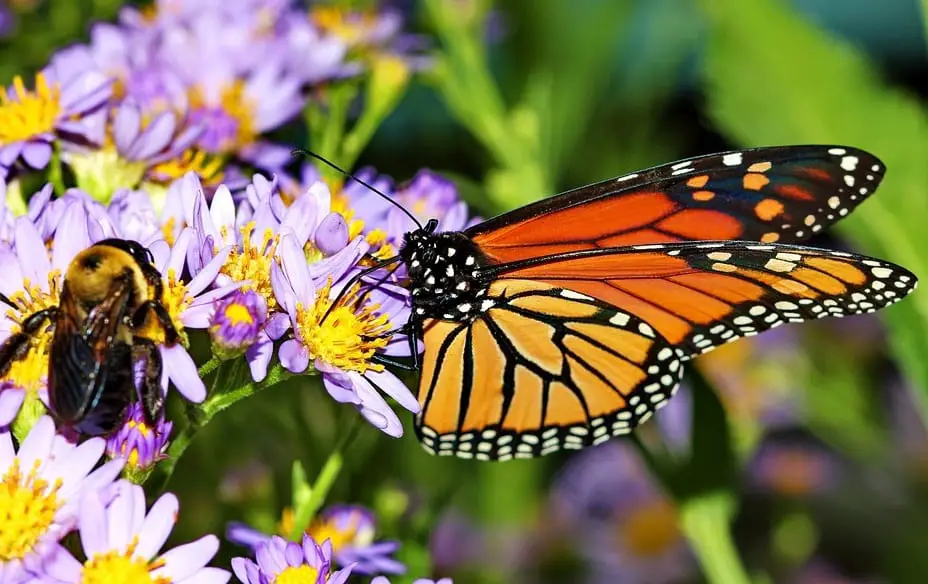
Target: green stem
208, 367
200, 416
304, 514
706, 524
55, 172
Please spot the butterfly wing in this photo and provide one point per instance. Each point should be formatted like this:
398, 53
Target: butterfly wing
542, 369
779, 194
700, 295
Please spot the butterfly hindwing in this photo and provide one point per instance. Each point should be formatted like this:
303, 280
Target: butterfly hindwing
701, 295
541, 369
779, 194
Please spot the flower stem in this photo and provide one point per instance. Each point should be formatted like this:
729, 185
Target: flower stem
304, 513
706, 524
200, 416
55, 173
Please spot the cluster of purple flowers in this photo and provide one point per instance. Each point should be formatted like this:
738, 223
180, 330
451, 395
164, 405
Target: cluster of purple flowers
156, 131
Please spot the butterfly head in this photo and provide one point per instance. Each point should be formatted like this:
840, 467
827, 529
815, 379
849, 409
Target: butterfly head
444, 273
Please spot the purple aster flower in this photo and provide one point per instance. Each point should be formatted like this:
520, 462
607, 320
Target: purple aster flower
122, 543
42, 486
236, 323
370, 34
190, 305
64, 92
120, 146
340, 339
349, 528
618, 519
794, 468
279, 560
135, 216
140, 445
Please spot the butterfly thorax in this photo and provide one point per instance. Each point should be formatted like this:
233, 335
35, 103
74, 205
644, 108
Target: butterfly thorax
444, 273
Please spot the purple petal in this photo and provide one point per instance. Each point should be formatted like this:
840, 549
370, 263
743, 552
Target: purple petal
245, 570
93, 525
210, 576
259, 357
30, 247
277, 324
222, 211
300, 219
339, 387
11, 399
158, 525
293, 356
392, 386
183, 371
37, 154
38, 443
185, 560
374, 408
155, 138
209, 272
126, 125
61, 565
332, 235
293, 262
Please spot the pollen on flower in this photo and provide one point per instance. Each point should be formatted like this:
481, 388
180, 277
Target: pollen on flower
175, 299
31, 371
230, 122
650, 529
206, 166
26, 114
122, 566
377, 239
325, 528
28, 505
301, 574
349, 336
253, 262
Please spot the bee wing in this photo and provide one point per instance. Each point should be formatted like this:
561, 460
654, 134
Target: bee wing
90, 367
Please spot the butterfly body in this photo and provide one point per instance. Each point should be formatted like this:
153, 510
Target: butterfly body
444, 273
567, 322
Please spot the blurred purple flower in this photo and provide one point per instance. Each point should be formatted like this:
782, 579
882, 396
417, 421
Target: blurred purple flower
349, 528
140, 445
122, 543
65, 91
122, 145
340, 339
279, 560
794, 468
43, 485
385, 580
618, 519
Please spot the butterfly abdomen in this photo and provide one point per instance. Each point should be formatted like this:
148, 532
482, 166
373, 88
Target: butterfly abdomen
444, 274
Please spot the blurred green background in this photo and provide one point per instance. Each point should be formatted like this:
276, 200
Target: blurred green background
810, 442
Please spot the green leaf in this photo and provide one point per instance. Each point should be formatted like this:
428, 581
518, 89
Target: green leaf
772, 78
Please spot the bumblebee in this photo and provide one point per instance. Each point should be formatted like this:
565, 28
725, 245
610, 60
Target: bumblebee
110, 297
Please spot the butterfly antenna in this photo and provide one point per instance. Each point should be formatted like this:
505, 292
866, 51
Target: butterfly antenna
357, 180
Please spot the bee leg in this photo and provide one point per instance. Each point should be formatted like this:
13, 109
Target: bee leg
161, 313
17, 345
151, 392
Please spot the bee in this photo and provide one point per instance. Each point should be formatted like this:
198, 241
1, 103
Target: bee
110, 297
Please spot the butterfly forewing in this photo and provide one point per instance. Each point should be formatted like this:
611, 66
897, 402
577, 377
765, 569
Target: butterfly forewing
780, 194
540, 369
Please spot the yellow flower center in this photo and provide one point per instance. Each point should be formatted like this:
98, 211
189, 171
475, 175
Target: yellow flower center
206, 166
350, 334
115, 567
27, 510
350, 26
238, 314
28, 113
31, 372
230, 122
175, 300
650, 529
302, 574
321, 530
253, 262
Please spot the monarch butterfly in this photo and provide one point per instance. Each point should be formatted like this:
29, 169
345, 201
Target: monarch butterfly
567, 322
